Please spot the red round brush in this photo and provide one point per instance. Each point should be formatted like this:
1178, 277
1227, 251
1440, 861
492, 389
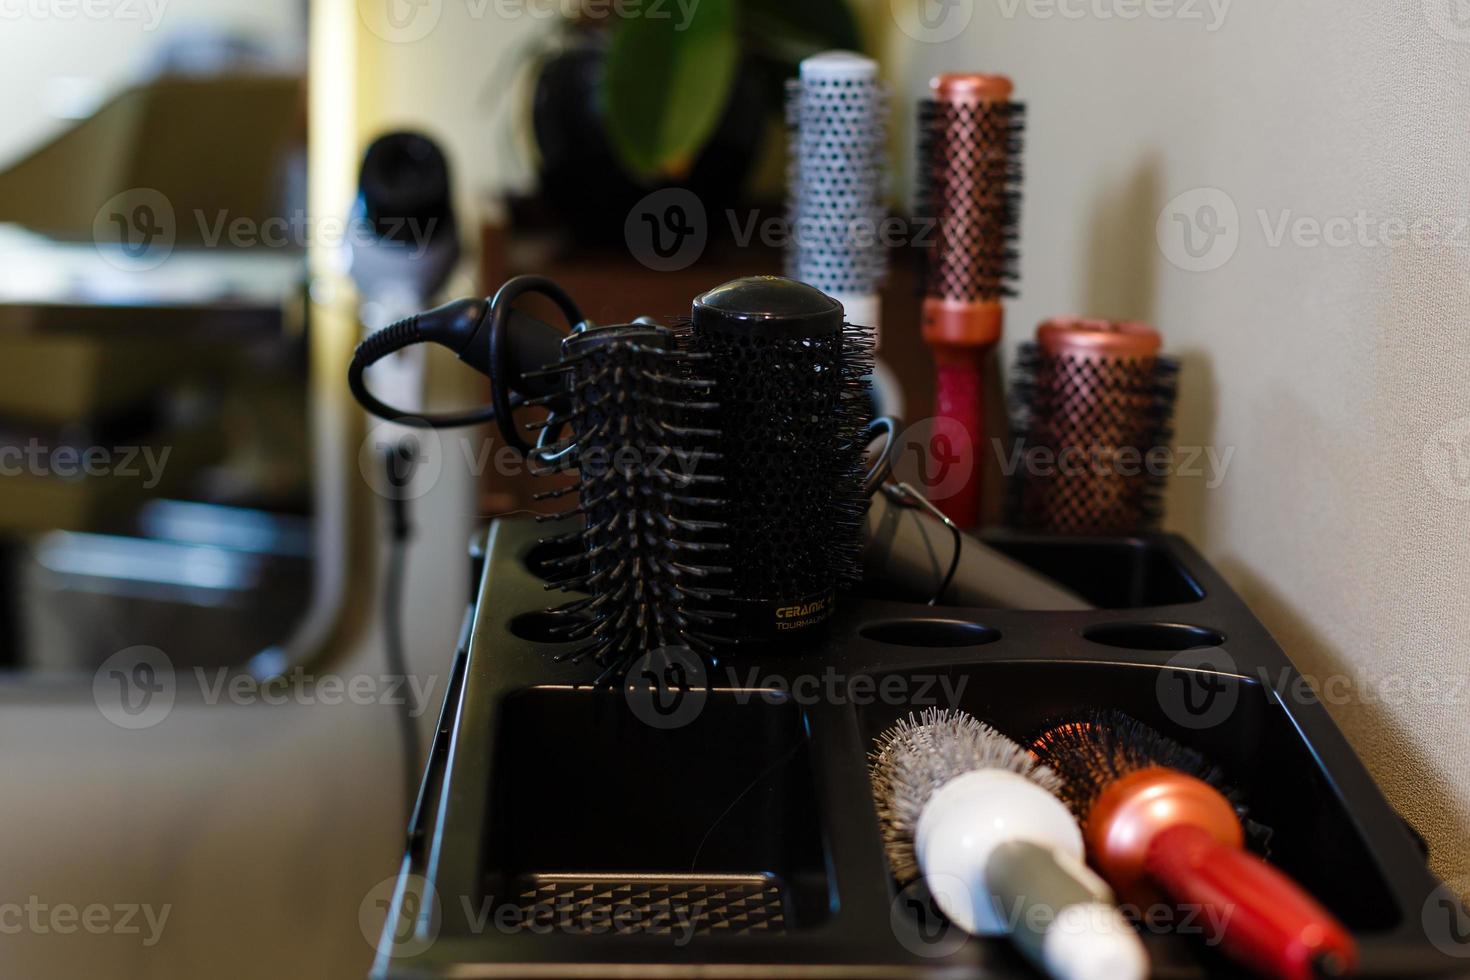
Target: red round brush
1155, 819
969, 177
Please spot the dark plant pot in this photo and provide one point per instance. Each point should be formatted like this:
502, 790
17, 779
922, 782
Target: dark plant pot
581, 176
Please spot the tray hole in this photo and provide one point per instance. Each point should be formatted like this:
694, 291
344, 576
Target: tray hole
544, 627
1154, 636
930, 633
541, 556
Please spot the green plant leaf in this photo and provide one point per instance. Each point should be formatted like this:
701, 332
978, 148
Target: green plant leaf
822, 24
668, 79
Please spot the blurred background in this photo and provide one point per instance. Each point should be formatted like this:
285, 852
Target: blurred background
204, 204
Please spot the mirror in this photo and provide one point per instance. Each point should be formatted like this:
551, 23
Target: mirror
155, 486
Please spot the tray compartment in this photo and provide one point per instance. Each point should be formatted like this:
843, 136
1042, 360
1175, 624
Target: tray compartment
718, 813
1312, 836
1110, 573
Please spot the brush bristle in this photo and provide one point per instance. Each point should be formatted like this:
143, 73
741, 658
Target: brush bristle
918, 755
795, 406
849, 502
1092, 752
969, 197
649, 536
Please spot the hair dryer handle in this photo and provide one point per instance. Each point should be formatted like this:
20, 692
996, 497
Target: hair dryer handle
1273, 926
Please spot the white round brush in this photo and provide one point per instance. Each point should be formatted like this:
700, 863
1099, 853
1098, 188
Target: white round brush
978, 817
837, 115
837, 112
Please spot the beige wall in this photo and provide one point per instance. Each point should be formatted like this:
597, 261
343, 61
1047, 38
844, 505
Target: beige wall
1331, 372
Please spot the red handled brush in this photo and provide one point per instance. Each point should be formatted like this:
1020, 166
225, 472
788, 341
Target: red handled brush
969, 197
1156, 819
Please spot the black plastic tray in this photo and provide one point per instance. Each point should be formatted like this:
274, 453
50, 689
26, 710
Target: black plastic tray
728, 830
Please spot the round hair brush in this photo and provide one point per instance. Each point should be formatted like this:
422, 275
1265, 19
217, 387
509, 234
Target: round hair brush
969, 200
1155, 820
973, 813
637, 419
1099, 399
837, 113
789, 381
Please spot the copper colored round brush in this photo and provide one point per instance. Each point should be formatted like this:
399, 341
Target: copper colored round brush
1094, 408
969, 196
1155, 820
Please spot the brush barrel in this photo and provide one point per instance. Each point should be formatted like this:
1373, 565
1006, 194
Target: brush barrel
1098, 400
837, 112
789, 379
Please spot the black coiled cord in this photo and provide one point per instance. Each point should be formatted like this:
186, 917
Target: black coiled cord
478, 331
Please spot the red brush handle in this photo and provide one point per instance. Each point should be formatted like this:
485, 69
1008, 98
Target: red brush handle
1273, 926
960, 397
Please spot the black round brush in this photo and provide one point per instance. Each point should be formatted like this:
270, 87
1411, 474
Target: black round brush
639, 422
790, 380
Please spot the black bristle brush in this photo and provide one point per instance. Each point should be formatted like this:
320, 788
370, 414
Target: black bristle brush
1156, 820
791, 389
1099, 747
638, 422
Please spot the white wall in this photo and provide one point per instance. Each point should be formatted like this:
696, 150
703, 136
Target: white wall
1330, 371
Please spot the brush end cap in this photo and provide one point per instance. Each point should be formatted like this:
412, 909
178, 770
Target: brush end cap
971, 87
838, 65
769, 304
1098, 338
1093, 942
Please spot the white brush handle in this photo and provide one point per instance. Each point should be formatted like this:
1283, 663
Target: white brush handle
1003, 856
1062, 915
